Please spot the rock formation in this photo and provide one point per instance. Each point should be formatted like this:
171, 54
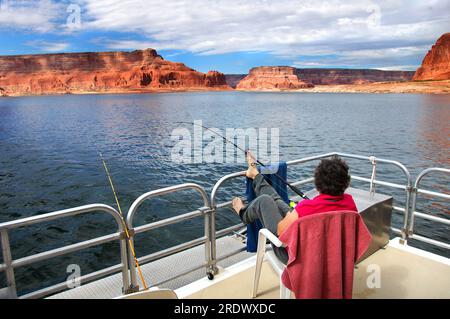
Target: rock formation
436, 64
234, 79
287, 78
272, 78
352, 76
100, 72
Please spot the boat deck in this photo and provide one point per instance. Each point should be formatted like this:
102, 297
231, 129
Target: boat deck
405, 272
161, 271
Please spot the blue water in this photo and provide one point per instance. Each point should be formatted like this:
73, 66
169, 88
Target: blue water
49, 159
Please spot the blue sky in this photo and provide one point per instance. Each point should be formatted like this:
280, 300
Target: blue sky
232, 36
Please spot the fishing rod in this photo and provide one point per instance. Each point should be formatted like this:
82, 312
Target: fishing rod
124, 224
285, 182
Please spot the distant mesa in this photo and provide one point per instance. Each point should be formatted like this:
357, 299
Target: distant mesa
233, 79
290, 78
146, 71
272, 78
436, 64
100, 72
352, 76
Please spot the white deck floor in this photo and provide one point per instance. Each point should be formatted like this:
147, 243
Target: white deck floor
161, 270
405, 272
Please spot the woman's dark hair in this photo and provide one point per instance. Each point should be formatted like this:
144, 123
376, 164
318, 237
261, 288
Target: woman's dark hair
331, 176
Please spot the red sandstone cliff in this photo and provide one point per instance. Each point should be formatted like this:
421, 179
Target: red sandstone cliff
352, 76
92, 72
272, 78
436, 64
287, 78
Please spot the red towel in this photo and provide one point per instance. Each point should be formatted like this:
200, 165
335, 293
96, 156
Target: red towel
323, 249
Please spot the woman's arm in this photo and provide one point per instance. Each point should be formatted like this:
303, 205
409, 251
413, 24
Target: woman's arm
287, 221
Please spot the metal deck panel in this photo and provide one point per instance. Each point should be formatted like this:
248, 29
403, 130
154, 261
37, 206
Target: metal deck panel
161, 270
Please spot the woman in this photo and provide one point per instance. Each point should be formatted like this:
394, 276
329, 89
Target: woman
331, 179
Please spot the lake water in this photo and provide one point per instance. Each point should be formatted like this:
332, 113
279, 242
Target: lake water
49, 159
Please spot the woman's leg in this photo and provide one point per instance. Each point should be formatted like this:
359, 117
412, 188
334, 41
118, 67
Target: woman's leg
268, 206
260, 186
265, 208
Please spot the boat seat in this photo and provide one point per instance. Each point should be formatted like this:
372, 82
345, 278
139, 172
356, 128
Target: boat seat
277, 265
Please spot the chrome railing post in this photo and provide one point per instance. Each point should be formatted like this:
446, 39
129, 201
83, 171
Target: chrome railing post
213, 213
409, 190
206, 209
415, 191
10, 264
124, 261
208, 246
134, 286
7, 259
410, 227
213, 270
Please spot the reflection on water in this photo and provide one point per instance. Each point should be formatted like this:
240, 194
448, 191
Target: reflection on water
49, 158
434, 130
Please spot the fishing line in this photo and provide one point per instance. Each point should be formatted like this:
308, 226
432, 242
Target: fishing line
125, 227
292, 187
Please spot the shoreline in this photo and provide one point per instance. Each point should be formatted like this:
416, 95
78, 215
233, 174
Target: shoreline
411, 87
133, 91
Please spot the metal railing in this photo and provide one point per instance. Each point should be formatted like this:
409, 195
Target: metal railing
202, 211
415, 191
9, 264
210, 206
404, 210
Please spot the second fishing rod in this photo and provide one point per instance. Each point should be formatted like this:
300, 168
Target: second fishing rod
292, 187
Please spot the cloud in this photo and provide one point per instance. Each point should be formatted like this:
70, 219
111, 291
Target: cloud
349, 29
300, 64
397, 58
46, 46
39, 16
387, 32
128, 44
399, 67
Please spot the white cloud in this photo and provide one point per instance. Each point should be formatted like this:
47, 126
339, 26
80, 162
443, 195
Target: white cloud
399, 67
46, 46
385, 33
301, 64
37, 16
355, 32
128, 44
282, 27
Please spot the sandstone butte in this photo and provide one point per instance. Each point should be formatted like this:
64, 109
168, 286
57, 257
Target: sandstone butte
352, 76
272, 78
100, 72
290, 78
436, 64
